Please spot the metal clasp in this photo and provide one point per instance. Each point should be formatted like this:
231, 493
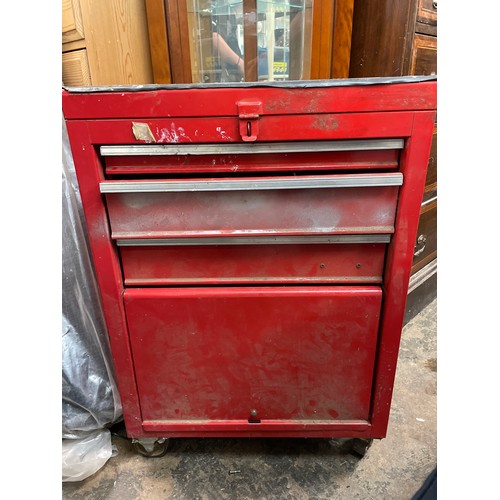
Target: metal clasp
249, 112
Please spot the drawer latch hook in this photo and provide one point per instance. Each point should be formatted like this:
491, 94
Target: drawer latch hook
249, 112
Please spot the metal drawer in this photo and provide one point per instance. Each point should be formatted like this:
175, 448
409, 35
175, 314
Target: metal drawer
293, 259
367, 154
262, 206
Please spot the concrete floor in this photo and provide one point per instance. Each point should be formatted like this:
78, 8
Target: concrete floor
393, 468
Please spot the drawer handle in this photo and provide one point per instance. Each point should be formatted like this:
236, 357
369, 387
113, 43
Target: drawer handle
420, 242
251, 148
253, 184
262, 240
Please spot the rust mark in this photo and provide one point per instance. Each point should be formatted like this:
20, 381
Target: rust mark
431, 363
325, 123
278, 104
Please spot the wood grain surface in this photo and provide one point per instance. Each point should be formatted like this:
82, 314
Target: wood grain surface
117, 41
158, 41
75, 68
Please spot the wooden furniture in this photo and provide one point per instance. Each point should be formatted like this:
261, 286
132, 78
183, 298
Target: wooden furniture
172, 31
395, 38
103, 44
253, 246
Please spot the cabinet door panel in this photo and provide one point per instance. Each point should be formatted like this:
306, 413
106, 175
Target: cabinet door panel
424, 59
294, 353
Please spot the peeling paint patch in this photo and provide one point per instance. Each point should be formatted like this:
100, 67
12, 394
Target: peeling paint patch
174, 135
223, 134
142, 132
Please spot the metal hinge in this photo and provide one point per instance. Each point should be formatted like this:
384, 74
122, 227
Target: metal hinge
249, 112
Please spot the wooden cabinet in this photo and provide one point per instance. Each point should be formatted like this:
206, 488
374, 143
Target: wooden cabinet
397, 38
105, 43
317, 47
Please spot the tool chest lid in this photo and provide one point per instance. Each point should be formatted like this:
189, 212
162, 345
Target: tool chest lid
342, 82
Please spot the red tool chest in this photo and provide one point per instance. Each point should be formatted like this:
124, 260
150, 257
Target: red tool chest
252, 245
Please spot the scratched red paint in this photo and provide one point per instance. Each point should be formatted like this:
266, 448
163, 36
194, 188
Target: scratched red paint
292, 211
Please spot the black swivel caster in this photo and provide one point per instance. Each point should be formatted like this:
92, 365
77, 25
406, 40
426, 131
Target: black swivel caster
151, 447
359, 446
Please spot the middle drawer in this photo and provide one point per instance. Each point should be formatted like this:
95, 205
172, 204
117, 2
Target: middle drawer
265, 206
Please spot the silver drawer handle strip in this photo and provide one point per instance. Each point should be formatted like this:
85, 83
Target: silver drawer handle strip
263, 240
237, 148
339, 181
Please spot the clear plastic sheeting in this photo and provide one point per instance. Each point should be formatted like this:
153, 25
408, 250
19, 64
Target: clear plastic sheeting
85, 456
90, 399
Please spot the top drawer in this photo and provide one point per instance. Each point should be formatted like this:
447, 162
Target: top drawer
263, 206
144, 159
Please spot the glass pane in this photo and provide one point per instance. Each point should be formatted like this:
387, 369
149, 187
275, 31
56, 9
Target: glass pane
282, 44
216, 40
280, 30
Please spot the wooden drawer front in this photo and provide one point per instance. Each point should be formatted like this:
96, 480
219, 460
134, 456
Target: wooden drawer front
253, 206
430, 190
424, 58
288, 353
432, 165
426, 244
427, 17
72, 25
75, 68
265, 262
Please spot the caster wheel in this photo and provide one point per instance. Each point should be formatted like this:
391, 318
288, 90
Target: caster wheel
359, 446
151, 447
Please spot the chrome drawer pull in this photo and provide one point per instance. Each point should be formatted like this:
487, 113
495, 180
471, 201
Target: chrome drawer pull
251, 148
336, 181
263, 240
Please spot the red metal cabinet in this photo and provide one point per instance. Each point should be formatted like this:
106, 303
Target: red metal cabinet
253, 245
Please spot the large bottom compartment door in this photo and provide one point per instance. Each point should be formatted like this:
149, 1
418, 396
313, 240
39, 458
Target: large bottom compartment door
294, 353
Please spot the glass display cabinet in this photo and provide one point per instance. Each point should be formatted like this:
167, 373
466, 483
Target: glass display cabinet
219, 41
279, 36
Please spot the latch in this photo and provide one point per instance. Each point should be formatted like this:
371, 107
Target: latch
248, 112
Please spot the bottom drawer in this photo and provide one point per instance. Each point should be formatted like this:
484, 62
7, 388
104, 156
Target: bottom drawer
254, 354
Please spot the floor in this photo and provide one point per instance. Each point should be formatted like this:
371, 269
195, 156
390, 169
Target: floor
393, 468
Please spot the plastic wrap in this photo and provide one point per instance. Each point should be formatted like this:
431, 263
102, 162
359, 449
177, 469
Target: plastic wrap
85, 456
90, 399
